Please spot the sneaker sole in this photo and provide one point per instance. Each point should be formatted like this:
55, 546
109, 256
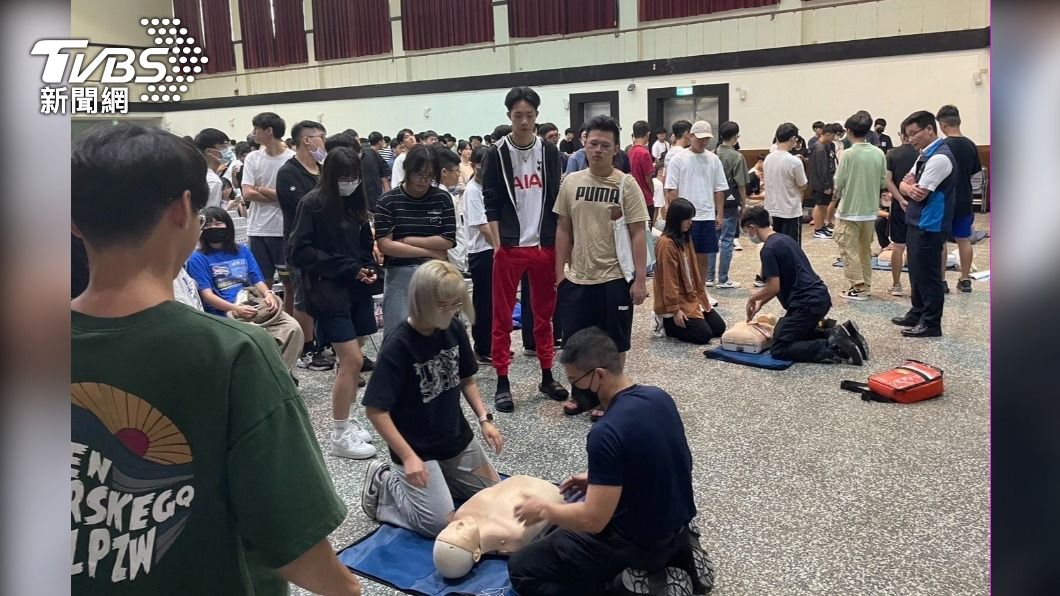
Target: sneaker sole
348, 455
858, 297
319, 368
367, 492
669, 582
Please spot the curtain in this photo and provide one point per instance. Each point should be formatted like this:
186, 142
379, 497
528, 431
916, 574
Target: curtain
290, 43
350, 28
218, 36
534, 18
428, 24
255, 23
656, 10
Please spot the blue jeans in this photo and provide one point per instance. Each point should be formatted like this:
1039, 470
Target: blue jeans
729, 228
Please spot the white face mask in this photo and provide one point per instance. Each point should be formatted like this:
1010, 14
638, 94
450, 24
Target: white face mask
318, 154
347, 188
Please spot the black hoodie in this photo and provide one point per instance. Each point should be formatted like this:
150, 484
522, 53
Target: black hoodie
498, 192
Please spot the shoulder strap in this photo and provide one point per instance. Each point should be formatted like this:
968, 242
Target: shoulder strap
863, 390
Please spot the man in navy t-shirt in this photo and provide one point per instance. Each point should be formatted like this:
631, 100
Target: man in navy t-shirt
638, 502
799, 335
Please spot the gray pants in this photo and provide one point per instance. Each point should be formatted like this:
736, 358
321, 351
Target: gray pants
426, 510
396, 296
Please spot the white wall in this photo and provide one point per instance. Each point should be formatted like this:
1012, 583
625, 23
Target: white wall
891, 88
787, 24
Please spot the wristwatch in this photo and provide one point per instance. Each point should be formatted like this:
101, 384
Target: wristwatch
487, 417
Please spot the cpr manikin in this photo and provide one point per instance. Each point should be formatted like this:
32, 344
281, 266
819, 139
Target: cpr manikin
486, 524
753, 337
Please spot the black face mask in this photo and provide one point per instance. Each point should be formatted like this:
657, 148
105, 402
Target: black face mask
215, 235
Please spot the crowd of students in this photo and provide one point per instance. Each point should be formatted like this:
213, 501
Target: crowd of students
564, 224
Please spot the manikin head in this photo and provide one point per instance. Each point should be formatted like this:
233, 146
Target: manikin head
457, 548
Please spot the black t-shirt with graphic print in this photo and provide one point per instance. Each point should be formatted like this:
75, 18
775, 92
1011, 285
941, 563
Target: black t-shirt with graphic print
417, 380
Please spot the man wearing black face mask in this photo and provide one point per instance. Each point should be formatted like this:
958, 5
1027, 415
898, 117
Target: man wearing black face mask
218, 153
294, 179
885, 140
638, 503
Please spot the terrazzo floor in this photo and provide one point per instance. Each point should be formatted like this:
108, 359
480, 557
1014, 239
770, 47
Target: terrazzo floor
801, 488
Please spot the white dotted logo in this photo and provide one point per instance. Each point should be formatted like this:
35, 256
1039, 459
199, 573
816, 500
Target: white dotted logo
185, 60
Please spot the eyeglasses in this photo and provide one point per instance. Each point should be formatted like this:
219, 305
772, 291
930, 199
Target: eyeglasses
450, 305
574, 382
911, 134
423, 178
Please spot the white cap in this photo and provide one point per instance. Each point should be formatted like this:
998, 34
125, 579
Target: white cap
702, 129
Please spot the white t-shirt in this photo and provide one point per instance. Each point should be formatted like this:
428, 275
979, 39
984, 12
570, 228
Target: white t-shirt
397, 171
785, 175
659, 194
696, 177
264, 219
529, 189
214, 184
658, 147
475, 216
186, 291
671, 153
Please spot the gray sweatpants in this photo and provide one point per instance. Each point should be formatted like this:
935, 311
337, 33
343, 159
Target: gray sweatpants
426, 510
396, 296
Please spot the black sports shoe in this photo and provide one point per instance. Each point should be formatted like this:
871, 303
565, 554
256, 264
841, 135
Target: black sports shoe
320, 362
368, 366
859, 339
484, 358
844, 346
670, 581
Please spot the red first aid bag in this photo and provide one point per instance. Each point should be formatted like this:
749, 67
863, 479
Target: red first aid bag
909, 383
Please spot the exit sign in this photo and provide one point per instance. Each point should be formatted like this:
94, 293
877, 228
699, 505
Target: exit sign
682, 91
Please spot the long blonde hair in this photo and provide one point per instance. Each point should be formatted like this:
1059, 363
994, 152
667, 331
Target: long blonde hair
433, 282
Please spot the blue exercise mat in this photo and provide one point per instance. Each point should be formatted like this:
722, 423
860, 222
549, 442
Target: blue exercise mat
763, 360
404, 560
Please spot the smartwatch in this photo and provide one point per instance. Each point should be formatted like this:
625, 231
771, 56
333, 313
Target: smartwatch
487, 417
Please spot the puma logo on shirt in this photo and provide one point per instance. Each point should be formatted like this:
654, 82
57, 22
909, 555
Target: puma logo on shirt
596, 194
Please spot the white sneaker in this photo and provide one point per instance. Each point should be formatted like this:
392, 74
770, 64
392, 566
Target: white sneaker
897, 290
710, 283
657, 329
736, 244
728, 285
359, 432
348, 445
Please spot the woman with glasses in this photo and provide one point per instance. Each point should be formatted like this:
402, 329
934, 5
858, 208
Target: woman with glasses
331, 244
413, 401
414, 223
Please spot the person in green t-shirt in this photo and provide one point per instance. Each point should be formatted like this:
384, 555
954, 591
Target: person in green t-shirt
861, 176
194, 468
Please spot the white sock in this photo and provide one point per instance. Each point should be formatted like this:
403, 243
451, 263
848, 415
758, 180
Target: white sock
340, 427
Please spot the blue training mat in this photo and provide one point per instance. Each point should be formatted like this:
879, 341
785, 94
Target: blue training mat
404, 560
763, 360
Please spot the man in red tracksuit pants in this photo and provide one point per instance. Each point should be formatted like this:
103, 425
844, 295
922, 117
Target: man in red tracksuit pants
520, 182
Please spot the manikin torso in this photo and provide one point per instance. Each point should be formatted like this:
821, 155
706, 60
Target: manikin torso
493, 509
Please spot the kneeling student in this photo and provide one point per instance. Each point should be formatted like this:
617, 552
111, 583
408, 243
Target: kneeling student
638, 490
789, 277
413, 401
680, 299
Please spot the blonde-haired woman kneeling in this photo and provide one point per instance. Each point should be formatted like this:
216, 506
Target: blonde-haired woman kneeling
413, 400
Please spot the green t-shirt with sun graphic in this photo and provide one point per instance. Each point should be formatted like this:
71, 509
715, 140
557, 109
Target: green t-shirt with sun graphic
194, 467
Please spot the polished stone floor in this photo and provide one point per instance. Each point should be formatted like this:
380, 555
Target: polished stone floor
801, 488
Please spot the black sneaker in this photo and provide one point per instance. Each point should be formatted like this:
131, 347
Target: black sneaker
320, 362
361, 383
965, 285
946, 286
844, 346
368, 365
484, 358
670, 581
859, 339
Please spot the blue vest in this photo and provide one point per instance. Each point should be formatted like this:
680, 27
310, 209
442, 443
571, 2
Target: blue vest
935, 213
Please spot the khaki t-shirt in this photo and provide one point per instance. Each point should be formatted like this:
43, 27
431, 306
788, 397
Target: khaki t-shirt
588, 200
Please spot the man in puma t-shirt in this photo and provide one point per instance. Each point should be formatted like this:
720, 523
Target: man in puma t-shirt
520, 181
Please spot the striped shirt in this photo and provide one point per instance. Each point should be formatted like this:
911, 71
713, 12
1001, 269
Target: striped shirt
399, 215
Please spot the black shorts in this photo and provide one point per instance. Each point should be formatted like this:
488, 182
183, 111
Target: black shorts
360, 322
820, 199
897, 230
789, 226
607, 306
